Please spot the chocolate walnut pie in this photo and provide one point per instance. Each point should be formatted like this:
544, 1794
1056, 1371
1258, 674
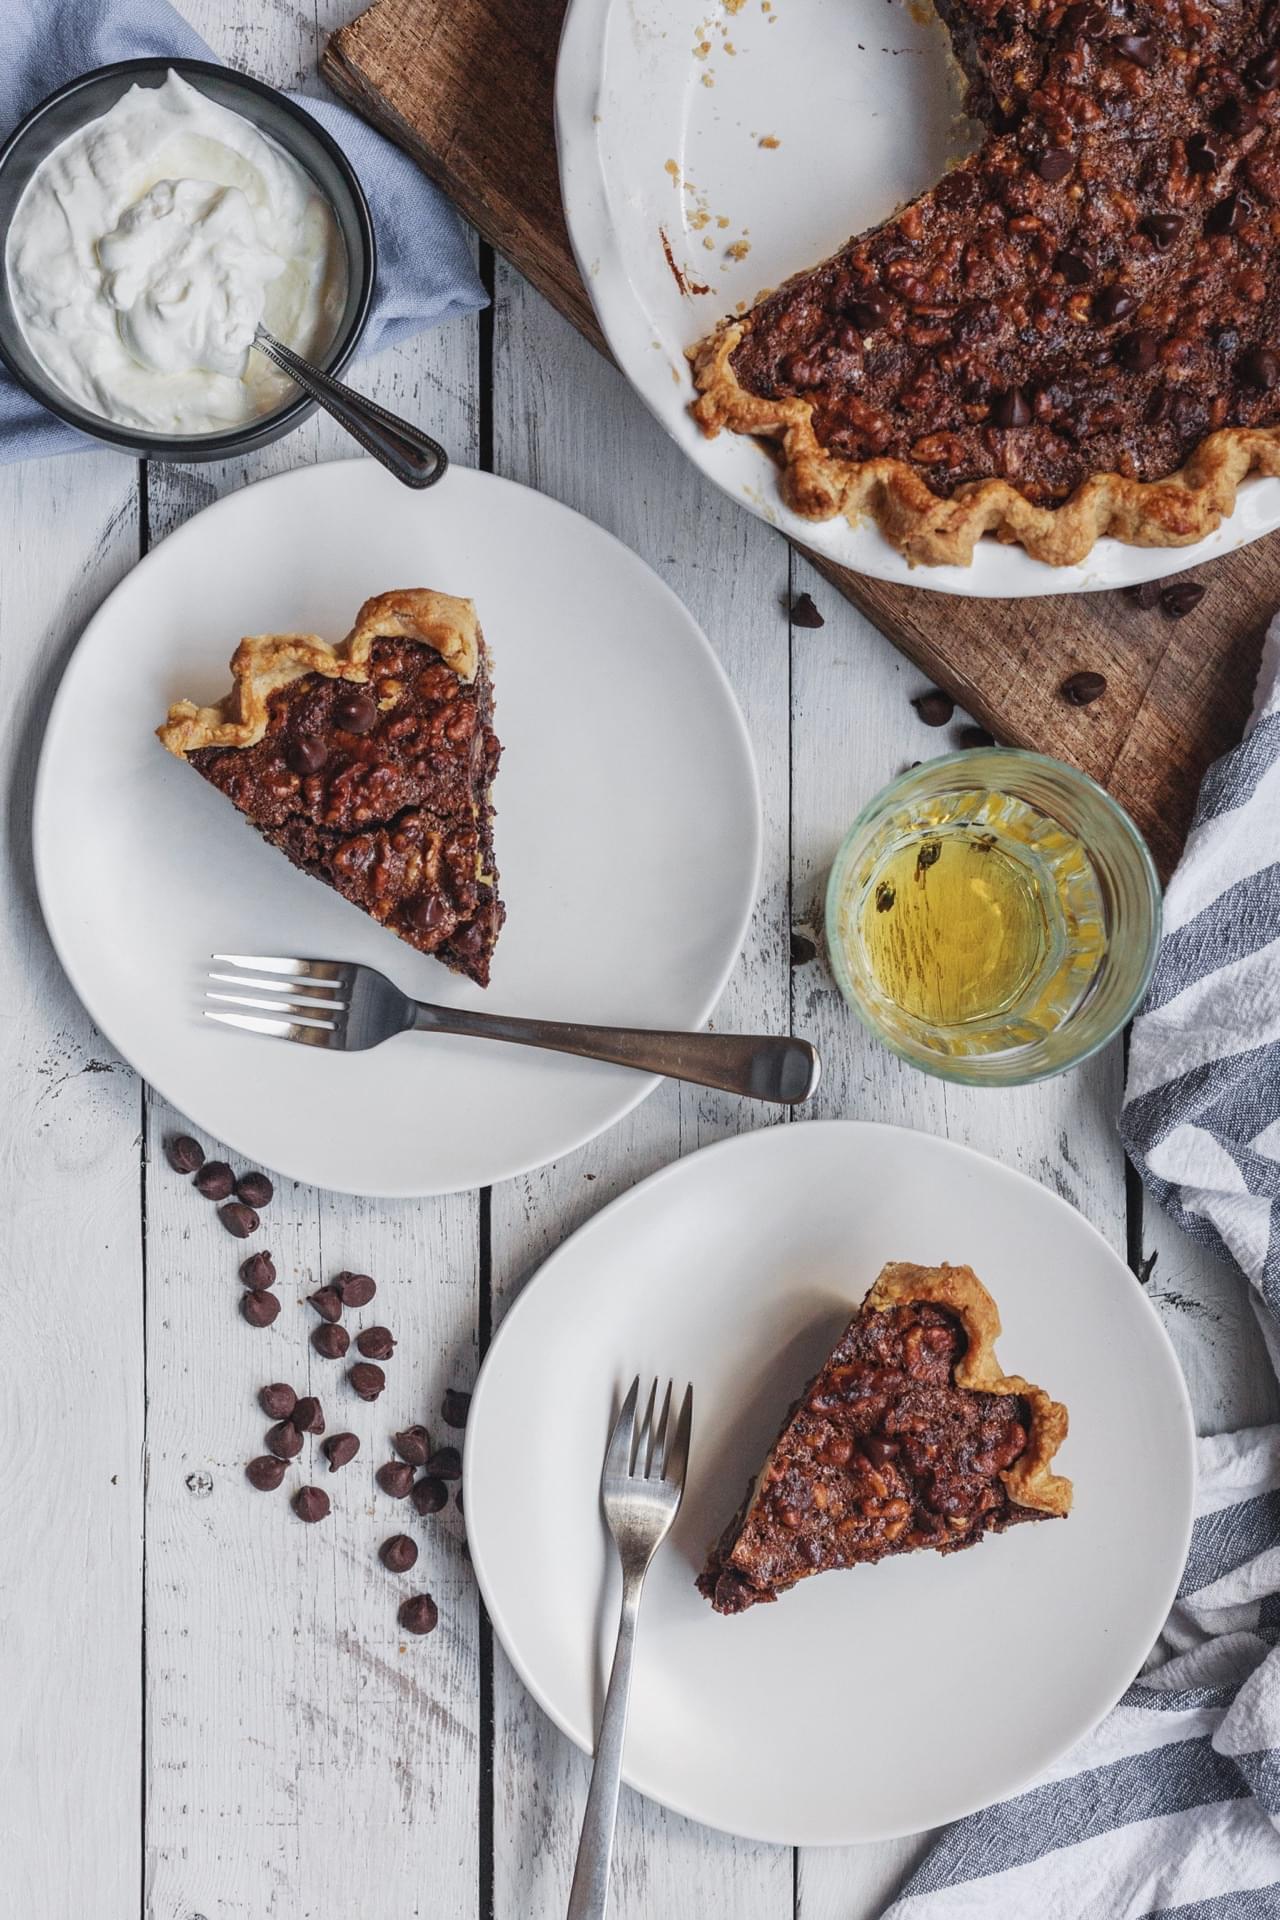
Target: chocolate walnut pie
910, 1436
370, 765
1075, 332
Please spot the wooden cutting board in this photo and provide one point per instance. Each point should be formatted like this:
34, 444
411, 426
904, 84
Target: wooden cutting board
466, 86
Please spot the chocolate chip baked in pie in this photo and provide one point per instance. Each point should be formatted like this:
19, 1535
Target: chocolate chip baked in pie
369, 765
1075, 332
910, 1436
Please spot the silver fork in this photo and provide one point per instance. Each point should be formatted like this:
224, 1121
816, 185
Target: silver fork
640, 1488
347, 1007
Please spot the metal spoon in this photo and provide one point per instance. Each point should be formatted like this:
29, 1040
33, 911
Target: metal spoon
412, 455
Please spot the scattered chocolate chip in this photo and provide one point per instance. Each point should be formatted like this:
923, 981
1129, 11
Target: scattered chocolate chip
1113, 303
1182, 599
935, 708
413, 1444
419, 1614
307, 755
1264, 73
264, 1473
311, 1503
339, 1448
1083, 688
429, 1496
184, 1154
1074, 269
445, 1464
1138, 350
1011, 408
456, 1405
215, 1180
1140, 48
457, 1501
974, 737
1162, 229
355, 713
258, 1271
1203, 154
1236, 117
284, 1440
238, 1219
308, 1416
259, 1309
367, 1381
1259, 368
255, 1190
278, 1400
1226, 216
1145, 595
804, 613
354, 1289
803, 950
396, 1478
327, 1302
376, 1343
398, 1553
330, 1343
1055, 163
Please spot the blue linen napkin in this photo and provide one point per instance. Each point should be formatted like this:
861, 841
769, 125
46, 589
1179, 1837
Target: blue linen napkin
425, 272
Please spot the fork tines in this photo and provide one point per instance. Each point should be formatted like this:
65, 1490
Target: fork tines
308, 999
651, 1449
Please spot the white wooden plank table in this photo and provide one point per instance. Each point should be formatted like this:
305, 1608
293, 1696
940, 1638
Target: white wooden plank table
209, 1714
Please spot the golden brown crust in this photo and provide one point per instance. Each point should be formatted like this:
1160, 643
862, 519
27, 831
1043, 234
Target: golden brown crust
264, 662
931, 531
1030, 1481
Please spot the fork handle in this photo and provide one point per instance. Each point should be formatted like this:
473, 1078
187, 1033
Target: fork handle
759, 1066
589, 1894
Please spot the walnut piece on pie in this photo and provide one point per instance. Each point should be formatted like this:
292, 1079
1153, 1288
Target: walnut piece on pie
909, 1436
370, 765
1075, 333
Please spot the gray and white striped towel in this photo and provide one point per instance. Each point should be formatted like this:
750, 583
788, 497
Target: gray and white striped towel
1170, 1810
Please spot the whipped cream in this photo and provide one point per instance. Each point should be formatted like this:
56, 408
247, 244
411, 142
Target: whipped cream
150, 244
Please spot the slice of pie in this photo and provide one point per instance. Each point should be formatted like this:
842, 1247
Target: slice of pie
370, 765
910, 1436
1077, 331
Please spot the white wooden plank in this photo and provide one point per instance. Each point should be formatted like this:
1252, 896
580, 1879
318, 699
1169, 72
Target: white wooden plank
304, 1754
566, 422
1204, 1303
70, 1248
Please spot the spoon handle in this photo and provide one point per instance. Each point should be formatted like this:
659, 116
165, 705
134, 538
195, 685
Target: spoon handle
412, 455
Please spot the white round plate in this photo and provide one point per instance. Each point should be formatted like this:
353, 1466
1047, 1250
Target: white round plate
868, 1703
660, 149
628, 830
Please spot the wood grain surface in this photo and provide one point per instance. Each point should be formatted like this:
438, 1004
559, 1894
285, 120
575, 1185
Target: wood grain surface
466, 86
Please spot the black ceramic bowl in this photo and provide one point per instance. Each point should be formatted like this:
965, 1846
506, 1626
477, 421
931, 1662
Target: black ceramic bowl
92, 95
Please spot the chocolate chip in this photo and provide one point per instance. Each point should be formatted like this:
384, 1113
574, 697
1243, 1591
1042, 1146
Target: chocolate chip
428, 912
1113, 303
429, 1496
1055, 163
327, 1302
803, 950
873, 311
1186, 414
1226, 216
1145, 595
376, 1343
419, 1614
311, 1503
1182, 599
1138, 351
1083, 688
264, 1473
1264, 73
278, 1400
306, 755
255, 1190
215, 1180
355, 713
413, 1444
935, 708
184, 1154
973, 737
398, 1553
1162, 229
1073, 268
258, 1271
1011, 408
367, 1381
330, 1343
308, 1416
396, 1478
456, 1405
238, 1219
354, 1289
1259, 368
804, 613
445, 1464
879, 1451
259, 1309
1203, 154
1236, 117
284, 1440
1140, 48
339, 1448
